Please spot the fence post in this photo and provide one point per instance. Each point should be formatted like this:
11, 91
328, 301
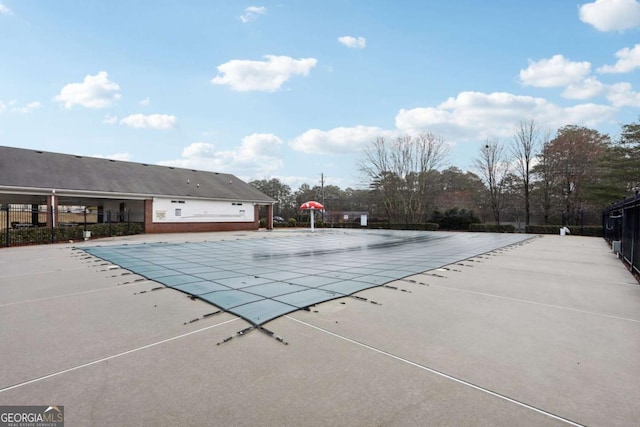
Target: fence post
5, 207
128, 221
53, 226
109, 222
635, 216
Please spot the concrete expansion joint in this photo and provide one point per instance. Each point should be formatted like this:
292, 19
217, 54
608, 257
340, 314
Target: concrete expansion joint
442, 374
111, 357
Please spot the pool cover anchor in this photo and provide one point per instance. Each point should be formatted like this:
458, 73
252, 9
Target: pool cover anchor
363, 299
248, 329
463, 265
129, 283
414, 282
434, 275
272, 334
157, 288
395, 288
204, 316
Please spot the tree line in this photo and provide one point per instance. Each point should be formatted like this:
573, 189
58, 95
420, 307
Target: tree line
535, 177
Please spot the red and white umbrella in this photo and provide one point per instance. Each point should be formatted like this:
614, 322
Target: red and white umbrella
311, 205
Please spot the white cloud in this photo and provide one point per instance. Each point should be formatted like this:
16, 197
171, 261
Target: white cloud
587, 88
611, 15
574, 76
268, 76
28, 108
12, 107
94, 92
476, 116
628, 60
294, 182
556, 71
618, 94
339, 140
4, 10
251, 13
257, 155
109, 119
151, 121
470, 116
353, 42
145, 102
590, 115
623, 95
125, 157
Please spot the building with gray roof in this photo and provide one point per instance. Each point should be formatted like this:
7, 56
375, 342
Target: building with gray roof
164, 198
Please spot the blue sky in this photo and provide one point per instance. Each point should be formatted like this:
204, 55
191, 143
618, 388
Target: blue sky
295, 89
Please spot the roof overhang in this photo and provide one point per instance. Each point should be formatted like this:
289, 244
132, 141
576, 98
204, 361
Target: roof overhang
33, 195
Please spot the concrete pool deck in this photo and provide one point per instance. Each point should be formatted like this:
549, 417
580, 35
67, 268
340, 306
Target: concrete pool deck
543, 333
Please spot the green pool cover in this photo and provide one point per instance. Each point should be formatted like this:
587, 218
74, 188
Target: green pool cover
262, 279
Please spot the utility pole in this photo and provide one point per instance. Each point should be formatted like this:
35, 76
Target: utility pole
322, 187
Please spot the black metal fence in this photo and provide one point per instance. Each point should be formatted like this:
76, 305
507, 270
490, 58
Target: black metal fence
38, 224
621, 223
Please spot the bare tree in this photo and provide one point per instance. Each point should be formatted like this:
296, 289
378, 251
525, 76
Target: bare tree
523, 151
546, 181
494, 167
399, 172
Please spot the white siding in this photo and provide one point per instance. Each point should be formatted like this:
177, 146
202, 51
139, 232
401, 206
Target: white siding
185, 210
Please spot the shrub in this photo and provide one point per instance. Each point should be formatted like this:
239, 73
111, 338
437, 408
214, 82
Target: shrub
25, 236
106, 230
587, 230
455, 219
292, 222
426, 226
493, 228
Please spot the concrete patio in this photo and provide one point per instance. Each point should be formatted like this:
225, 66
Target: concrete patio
546, 332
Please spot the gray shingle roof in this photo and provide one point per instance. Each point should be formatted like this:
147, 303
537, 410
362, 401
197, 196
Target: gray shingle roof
24, 168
